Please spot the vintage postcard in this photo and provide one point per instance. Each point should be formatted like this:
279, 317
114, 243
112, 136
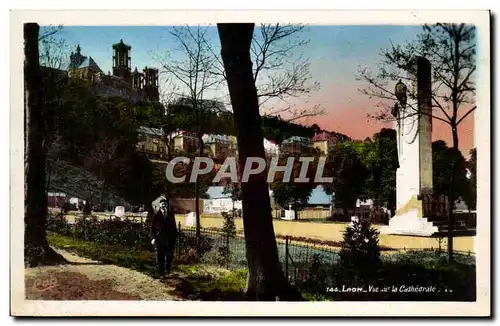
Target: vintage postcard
203, 163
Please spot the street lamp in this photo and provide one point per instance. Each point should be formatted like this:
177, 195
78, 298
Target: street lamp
400, 91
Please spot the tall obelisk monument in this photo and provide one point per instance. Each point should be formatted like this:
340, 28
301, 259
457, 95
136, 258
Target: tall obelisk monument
414, 141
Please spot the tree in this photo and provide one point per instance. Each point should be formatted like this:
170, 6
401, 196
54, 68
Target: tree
451, 51
195, 74
349, 176
100, 158
265, 280
295, 193
52, 59
470, 196
234, 190
442, 168
280, 72
380, 157
360, 251
387, 152
36, 247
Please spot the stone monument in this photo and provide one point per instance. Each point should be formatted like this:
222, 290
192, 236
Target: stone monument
414, 142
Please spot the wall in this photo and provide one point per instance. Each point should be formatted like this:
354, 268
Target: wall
217, 206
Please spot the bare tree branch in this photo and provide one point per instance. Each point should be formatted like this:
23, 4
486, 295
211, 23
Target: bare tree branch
466, 114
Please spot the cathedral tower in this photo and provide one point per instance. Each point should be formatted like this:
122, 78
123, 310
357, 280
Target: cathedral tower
122, 61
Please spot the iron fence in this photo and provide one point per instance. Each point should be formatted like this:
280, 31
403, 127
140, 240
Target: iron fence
301, 261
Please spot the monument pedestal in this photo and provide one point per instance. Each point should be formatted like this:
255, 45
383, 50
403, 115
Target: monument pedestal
409, 220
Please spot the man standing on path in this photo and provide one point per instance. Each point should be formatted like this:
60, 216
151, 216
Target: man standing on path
163, 236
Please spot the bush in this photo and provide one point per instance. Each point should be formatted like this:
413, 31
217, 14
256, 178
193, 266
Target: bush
318, 274
229, 227
57, 223
186, 244
360, 250
223, 255
114, 232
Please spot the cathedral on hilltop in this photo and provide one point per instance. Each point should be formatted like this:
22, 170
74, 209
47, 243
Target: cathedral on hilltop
132, 85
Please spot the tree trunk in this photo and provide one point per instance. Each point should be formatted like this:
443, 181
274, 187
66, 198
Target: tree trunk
232, 200
266, 281
36, 247
101, 196
346, 212
49, 174
197, 191
451, 193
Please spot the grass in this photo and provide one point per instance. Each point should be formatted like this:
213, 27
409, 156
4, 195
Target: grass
193, 282
205, 282
141, 260
228, 286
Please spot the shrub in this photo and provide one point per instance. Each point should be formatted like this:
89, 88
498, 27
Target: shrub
317, 280
57, 223
229, 227
114, 232
360, 250
223, 254
186, 244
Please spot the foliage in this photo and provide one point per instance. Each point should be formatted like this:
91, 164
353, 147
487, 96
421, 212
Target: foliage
228, 227
187, 242
229, 232
470, 193
57, 223
424, 268
317, 278
295, 192
442, 169
98, 134
360, 250
349, 175
233, 189
383, 170
216, 286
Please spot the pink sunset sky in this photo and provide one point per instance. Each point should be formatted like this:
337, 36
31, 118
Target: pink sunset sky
350, 117
337, 53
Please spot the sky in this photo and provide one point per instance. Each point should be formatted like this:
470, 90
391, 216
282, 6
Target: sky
336, 53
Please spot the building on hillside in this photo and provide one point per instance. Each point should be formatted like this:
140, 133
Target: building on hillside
133, 85
271, 148
185, 141
295, 145
217, 145
233, 146
324, 141
152, 143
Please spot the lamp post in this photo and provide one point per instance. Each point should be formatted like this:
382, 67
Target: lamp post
400, 92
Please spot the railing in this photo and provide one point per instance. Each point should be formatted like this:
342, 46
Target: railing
301, 262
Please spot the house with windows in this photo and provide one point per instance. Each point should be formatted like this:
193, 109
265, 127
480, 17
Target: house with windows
295, 144
324, 141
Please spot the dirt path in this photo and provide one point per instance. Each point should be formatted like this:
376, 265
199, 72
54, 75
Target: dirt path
85, 279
